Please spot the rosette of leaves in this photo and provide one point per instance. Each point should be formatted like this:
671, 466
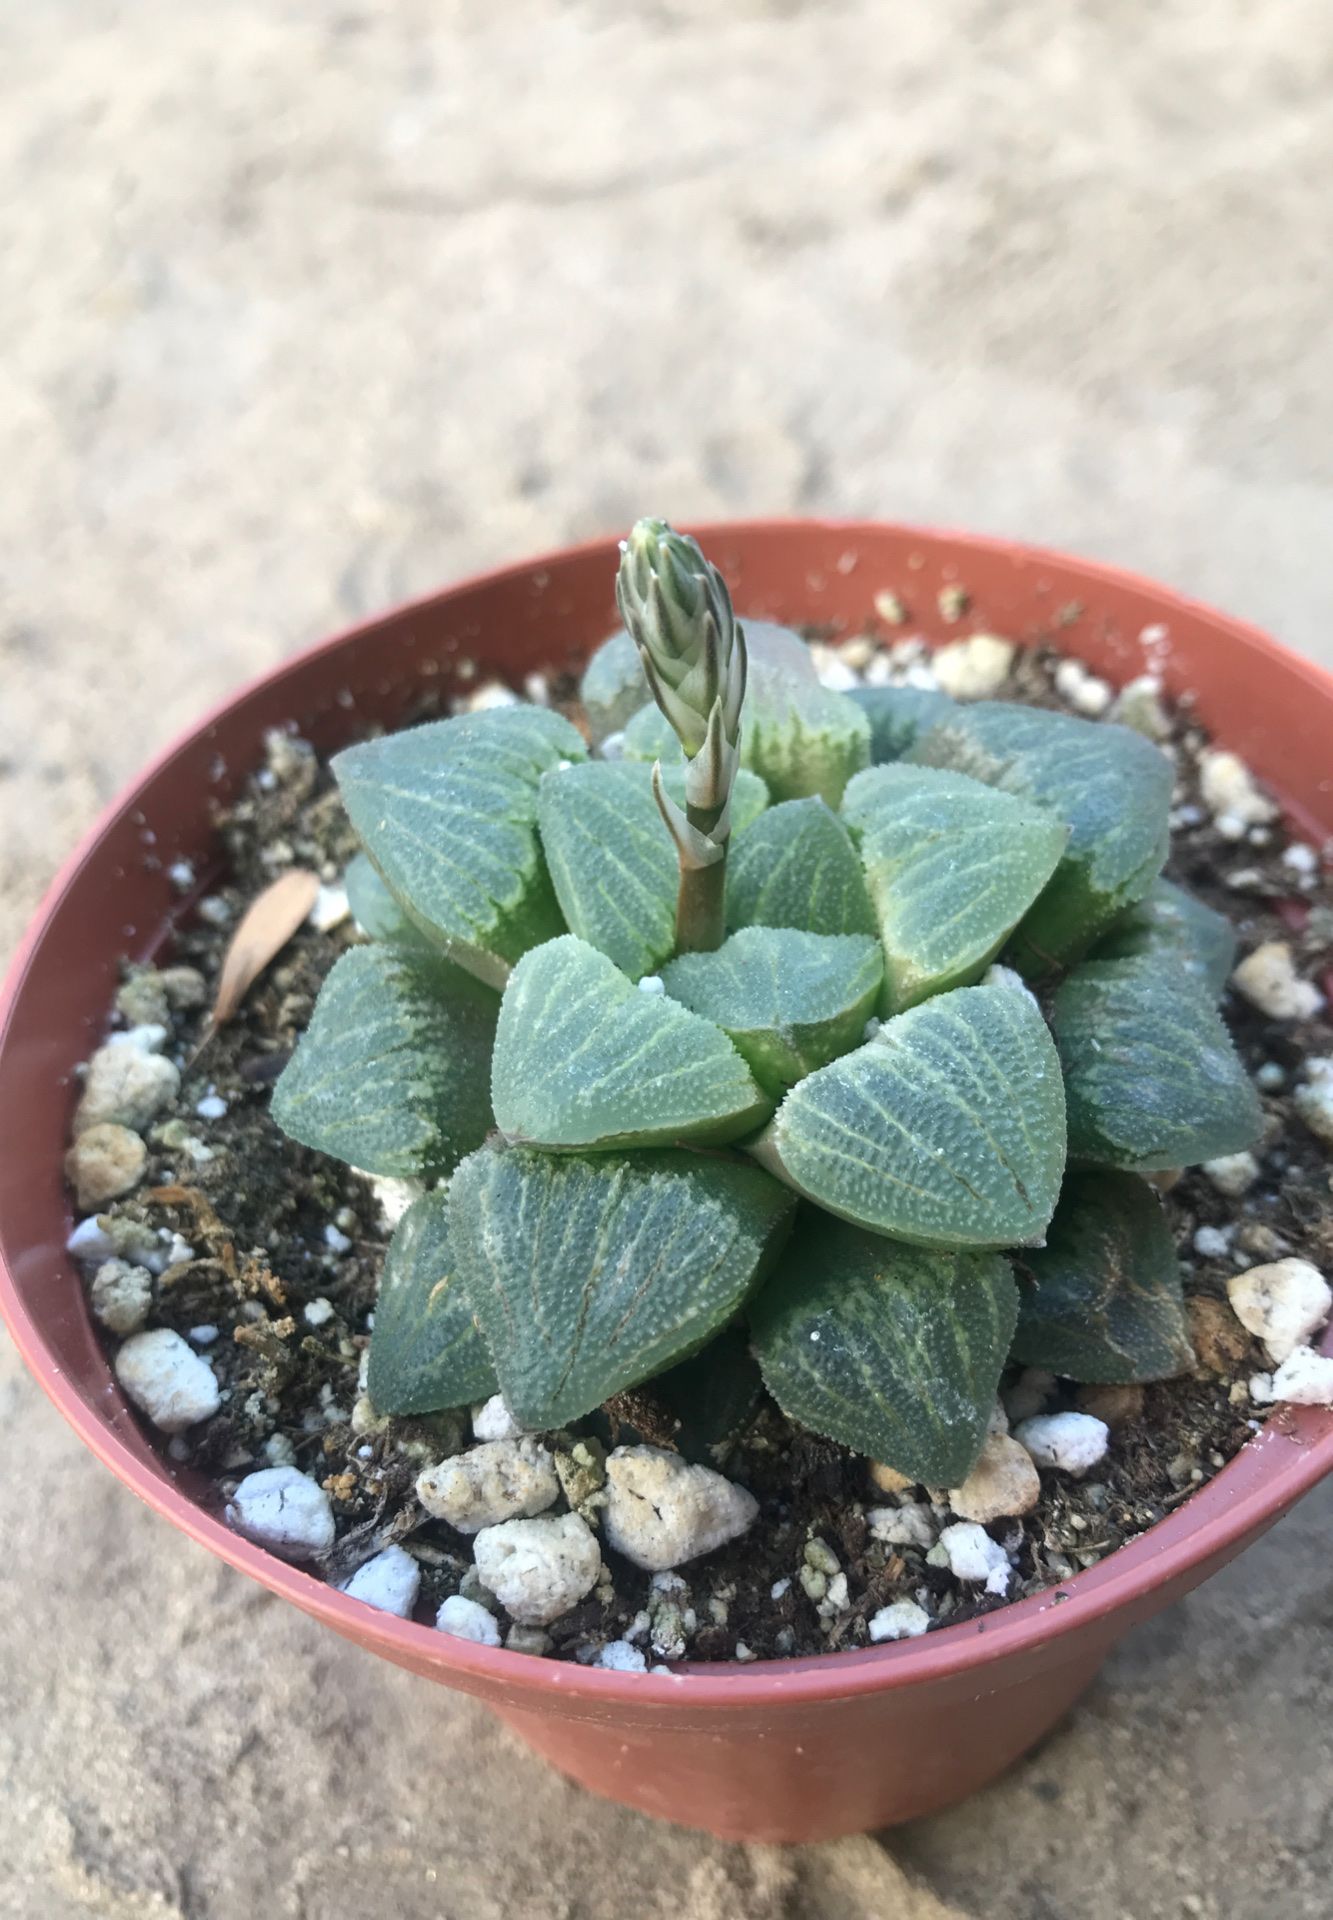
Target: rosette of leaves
700, 1055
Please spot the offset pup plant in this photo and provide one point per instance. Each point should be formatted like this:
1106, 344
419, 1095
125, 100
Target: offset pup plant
699, 1043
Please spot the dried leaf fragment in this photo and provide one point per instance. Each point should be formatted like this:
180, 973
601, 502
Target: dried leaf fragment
264, 930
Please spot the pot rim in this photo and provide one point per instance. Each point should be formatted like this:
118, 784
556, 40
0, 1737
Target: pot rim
1292, 1452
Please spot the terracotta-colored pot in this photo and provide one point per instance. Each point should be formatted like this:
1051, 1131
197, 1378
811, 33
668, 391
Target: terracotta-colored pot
794, 1750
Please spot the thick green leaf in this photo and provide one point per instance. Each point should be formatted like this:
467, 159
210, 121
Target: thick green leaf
1151, 1076
802, 738
952, 867
377, 913
613, 686
796, 867
891, 1350
612, 861
789, 1001
583, 1058
1173, 925
776, 649
425, 1352
448, 814
1109, 785
650, 736
391, 1073
588, 1276
713, 1395
897, 716
1101, 1301
945, 1130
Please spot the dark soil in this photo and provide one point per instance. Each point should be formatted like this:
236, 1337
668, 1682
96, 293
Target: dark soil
285, 1249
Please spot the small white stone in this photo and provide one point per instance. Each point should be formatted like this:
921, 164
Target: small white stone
279, 1451
1002, 1485
973, 1557
834, 671
1228, 789
121, 1296
973, 669
284, 1510
910, 1525
1074, 1442
317, 1313
1082, 690
900, 1620
331, 908
105, 1162
1214, 1243
538, 1569
90, 1243
468, 1620
215, 911
336, 1240
493, 694
1282, 1304
390, 1582
167, 1380
1029, 1394
492, 1420
652, 984
1233, 1174
501, 1480
1305, 1379
1301, 858
618, 1656
181, 875
662, 1510
1012, 982
1271, 1077
1140, 706
393, 1197
204, 1335
1314, 1100
211, 1107
127, 1084
1268, 979
778, 1588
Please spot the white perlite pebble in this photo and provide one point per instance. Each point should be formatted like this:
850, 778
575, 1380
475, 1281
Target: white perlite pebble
1029, 1394
618, 1656
331, 908
1305, 1379
1283, 1304
389, 1582
998, 976
652, 984
662, 1511
467, 1620
127, 1084
393, 1197
121, 1296
1074, 1442
1268, 979
211, 1107
501, 1480
1314, 1100
538, 1569
973, 669
1228, 789
167, 1380
1139, 705
1233, 1174
1002, 1485
973, 1557
317, 1313
901, 1620
90, 1243
105, 1162
1214, 1243
911, 1525
286, 1511
1082, 690
492, 1420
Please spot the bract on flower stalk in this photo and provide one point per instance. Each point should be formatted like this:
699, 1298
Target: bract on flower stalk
676, 606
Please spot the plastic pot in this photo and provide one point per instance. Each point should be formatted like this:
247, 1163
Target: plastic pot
794, 1750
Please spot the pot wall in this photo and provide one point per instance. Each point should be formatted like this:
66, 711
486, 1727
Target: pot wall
781, 1750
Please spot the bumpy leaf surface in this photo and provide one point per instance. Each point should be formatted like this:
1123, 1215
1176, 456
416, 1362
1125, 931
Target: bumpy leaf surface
391, 1073
952, 866
1109, 785
1102, 1301
790, 1002
377, 913
1173, 925
897, 716
583, 1058
612, 861
796, 867
613, 687
892, 1350
448, 814
425, 1352
946, 1130
589, 1275
1151, 1076
802, 738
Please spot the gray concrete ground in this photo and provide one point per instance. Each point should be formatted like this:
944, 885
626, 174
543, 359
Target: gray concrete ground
311, 303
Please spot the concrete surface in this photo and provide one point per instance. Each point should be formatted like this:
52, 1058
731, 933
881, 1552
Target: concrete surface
311, 303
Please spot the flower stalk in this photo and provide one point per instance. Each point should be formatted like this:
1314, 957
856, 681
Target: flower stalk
676, 606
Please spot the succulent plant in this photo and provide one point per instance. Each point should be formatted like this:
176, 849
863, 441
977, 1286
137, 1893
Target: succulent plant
803, 1041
